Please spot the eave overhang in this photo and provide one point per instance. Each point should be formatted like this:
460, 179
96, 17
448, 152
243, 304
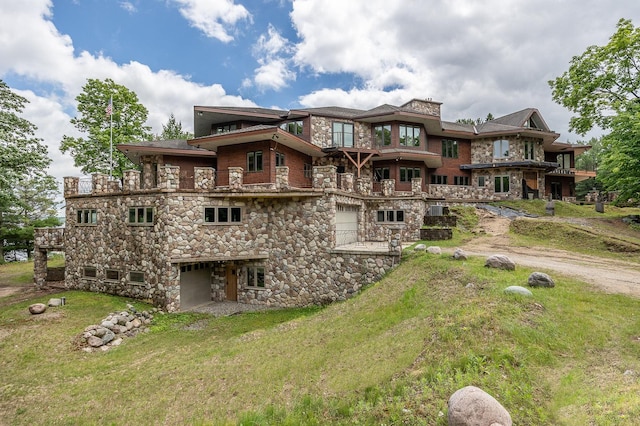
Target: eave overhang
527, 164
430, 122
134, 152
259, 134
430, 159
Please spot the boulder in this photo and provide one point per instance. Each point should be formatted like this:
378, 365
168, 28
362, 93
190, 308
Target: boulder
37, 308
516, 289
540, 279
500, 261
434, 250
420, 247
95, 342
459, 254
473, 406
54, 302
108, 336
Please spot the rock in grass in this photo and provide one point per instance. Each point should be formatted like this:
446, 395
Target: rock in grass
434, 250
37, 308
95, 342
420, 247
500, 261
516, 289
473, 406
459, 254
540, 279
54, 302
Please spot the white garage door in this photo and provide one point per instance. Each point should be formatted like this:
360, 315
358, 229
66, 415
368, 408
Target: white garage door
346, 224
195, 285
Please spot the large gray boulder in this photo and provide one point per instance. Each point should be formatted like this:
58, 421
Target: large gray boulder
540, 279
459, 254
420, 247
471, 406
500, 261
434, 250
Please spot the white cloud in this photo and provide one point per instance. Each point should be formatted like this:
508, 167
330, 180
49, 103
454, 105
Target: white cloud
213, 17
272, 52
128, 6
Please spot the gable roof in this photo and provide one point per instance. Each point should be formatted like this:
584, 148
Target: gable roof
528, 117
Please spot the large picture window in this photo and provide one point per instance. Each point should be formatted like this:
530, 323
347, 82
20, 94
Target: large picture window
382, 135
501, 148
408, 173
342, 134
449, 148
409, 135
254, 161
501, 184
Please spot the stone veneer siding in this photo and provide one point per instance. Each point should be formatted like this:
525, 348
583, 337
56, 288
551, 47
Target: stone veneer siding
322, 132
292, 238
414, 211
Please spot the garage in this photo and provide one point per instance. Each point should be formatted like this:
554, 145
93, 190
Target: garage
346, 224
195, 284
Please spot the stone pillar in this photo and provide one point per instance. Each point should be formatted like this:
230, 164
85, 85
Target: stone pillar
100, 183
363, 185
169, 177
395, 245
39, 268
236, 177
282, 177
325, 177
346, 182
149, 174
71, 186
388, 187
204, 178
113, 186
416, 186
131, 180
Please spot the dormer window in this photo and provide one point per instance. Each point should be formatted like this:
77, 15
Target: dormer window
501, 149
224, 128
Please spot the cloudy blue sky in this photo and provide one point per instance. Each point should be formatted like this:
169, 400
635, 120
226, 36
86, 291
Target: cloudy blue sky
473, 56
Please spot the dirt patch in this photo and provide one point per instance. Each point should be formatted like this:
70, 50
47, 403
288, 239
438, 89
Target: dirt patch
11, 295
610, 275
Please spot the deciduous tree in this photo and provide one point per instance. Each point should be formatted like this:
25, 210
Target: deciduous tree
107, 112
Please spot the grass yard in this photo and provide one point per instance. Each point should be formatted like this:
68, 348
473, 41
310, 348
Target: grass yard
392, 355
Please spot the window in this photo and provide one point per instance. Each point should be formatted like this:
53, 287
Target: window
308, 170
461, 180
501, 149
112, 275
87, 216
481, 181
342, 134
382, 135
136, 277
222, 215
141, 215
529, 150
225, 128
409, 135
564, 160
438, 180
449, 148
255, 276
390, 215
501, 184
408, 173
89, 272
293, 127
254, 161
279, 159
381, 173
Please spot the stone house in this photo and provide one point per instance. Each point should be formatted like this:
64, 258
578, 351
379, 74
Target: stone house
290, 208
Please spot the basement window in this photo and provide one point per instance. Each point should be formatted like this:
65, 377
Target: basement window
87, 216
222, 215
89, 272
141, 216
390, 216
136, 277
255, 276
112, 275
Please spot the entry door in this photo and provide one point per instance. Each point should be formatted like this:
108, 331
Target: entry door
231, 287
556, 190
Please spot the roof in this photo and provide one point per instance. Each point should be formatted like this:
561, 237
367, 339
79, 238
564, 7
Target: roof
178, 147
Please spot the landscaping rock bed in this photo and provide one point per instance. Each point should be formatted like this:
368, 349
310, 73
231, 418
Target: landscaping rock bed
113, 329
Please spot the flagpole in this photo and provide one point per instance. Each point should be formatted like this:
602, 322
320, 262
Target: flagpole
111, 138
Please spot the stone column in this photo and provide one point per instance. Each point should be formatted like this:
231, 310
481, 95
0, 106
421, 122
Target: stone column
100, 183
71, 186
204, 178
169, 177
131, 180
282, 177
363, 185
416, 186
236, 177
388, 187
40, 268
346, 181
325, 177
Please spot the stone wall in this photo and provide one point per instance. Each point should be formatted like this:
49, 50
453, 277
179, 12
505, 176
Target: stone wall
322, 132
424, 106
414, 211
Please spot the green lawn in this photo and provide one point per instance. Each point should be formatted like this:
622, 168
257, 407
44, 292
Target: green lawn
392, 355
